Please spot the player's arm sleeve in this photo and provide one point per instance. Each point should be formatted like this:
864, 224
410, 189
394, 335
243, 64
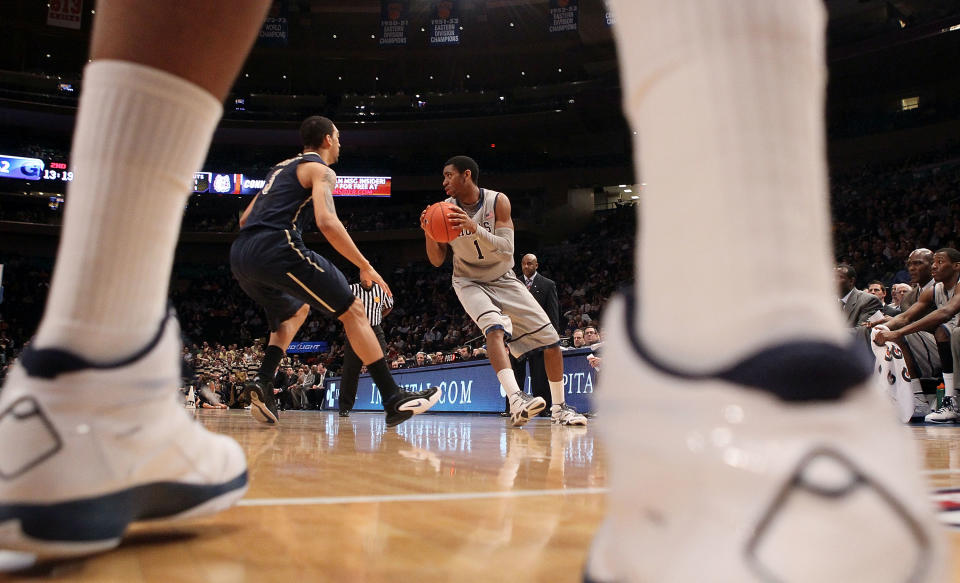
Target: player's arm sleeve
502, 237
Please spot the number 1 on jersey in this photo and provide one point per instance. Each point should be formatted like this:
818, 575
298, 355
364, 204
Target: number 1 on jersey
477, 245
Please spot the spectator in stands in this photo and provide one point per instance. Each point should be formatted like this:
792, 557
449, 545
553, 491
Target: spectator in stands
591, 336
308, 382
317, 391
857, 305
577, 338
876, 288
897, 291
420, 359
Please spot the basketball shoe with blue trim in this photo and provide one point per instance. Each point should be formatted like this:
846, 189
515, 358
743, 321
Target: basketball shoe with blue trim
86, 449
787, 466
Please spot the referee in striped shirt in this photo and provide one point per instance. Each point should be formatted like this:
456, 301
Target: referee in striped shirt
377, 304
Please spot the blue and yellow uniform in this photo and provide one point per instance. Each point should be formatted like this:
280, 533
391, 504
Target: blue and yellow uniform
270, 260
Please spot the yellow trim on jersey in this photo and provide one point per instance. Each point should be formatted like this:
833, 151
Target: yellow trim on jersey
309, 291
294, 247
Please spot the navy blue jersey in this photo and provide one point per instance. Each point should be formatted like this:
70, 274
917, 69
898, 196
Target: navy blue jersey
283, 203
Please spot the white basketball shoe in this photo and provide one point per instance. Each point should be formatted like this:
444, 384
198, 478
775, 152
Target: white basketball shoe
732, 477
87, 449
949, 412
524, 407
564, 414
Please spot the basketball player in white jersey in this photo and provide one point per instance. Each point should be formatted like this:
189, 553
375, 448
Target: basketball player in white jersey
729, 461
942, 322
491, 293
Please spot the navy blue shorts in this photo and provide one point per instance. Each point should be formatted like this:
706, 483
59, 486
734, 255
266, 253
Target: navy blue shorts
277, 270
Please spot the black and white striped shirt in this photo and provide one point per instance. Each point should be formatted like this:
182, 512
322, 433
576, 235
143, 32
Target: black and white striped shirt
375, 301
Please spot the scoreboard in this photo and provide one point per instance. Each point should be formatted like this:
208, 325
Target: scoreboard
35, 169
218, 183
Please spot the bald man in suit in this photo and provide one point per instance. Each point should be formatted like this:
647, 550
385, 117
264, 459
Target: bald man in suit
544, 290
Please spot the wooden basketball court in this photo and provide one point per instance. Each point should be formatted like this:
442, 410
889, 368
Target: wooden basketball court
444, 497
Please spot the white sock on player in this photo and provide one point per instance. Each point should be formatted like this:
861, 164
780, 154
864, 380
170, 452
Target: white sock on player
556, 392
141, 134
508, 381
728, 98
949, 390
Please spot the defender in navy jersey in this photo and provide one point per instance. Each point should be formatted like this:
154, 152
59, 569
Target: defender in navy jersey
275, 268
490, 292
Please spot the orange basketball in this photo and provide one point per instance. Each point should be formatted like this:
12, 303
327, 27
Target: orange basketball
437, 225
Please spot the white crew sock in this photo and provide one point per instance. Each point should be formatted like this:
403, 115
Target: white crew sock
508, 381
949, 390
141, 133
727, 97
556, 393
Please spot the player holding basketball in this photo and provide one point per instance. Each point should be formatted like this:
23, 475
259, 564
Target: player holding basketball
490, 292
741, 463
275, 268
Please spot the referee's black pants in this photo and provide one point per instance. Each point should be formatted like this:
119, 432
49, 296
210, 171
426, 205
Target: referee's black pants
351, 371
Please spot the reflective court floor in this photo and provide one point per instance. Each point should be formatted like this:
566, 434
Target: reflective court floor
443, 497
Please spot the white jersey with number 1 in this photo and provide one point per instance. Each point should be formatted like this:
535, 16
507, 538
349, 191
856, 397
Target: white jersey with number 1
473, 257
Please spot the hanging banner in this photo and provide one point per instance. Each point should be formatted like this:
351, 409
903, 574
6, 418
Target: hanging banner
564, 15
445, 23
64, 13
394, 18
276, 28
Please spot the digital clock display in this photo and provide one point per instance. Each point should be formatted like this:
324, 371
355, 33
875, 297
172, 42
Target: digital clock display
64, 175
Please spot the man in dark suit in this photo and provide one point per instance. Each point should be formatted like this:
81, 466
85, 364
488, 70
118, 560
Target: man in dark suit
857, 305
544, 290
877, 288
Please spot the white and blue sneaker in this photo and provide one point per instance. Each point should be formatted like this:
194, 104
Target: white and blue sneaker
86, 449
949, 411
764, 471
524, 407
564, 414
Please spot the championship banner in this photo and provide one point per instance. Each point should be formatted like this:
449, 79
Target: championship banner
275, 30
445, 23
564, 15
65, 13
394, 19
